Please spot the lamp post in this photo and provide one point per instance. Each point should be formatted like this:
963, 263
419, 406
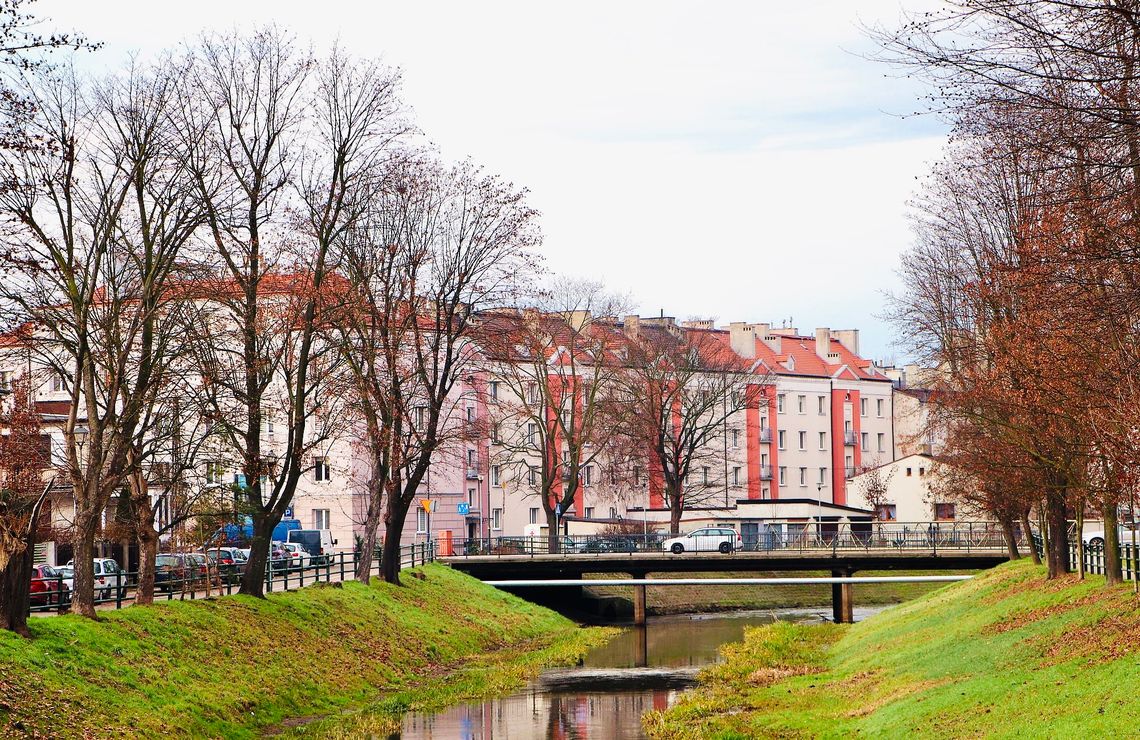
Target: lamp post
819, 512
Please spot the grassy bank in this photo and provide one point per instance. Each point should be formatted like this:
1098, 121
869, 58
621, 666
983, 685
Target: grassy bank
685, 599
1006, 654
236, 666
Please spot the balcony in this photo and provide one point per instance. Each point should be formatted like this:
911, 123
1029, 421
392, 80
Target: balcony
849, 438
473, 473
766, 434
849, 473
765, 472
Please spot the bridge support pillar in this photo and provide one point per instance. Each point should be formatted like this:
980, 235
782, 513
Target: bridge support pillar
842, 598
639, 605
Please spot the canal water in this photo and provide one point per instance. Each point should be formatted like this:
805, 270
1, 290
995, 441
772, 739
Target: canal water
639, 670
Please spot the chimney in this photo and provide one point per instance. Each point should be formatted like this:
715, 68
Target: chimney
786, 331
698, 324
742, 336
823, 343
631, 324
764, 332
578, 319
849, 338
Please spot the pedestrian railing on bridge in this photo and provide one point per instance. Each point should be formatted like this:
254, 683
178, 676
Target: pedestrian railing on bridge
837, 537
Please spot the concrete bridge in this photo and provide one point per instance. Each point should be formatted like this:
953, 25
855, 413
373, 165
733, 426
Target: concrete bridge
532, 574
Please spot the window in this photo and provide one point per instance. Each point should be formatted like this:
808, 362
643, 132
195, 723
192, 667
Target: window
908, 472
735, 438
803, 476
823, 440
534, 515
822, 476
881, 438
421, 520
705, 475
6, 380
495, 475
801, 404
803, 440
532, 434
470, 414
58, 383
780, 403
321, 471
879, 407
783, 476
269, 427
470, 458
822, 401
471, 497
637, 476
886, 513
921, 472
865, 441
494, 388
589, 512
496, 518
215, 472
495, 433
532, 392
532, 475
320, 518
780, 436
736, 475
944, 511
613, 512
589, 475
862, 407
420, 417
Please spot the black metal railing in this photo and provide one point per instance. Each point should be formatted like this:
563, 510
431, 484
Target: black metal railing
1095, 562
887, 536
196, 582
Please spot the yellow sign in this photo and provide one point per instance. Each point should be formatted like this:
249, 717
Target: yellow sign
427, 504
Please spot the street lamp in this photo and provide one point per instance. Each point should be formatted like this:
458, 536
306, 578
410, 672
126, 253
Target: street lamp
819, 512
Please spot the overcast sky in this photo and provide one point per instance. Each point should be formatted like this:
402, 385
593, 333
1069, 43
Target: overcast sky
733, 160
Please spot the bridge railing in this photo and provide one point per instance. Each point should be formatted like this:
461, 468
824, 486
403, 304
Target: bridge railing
911, 536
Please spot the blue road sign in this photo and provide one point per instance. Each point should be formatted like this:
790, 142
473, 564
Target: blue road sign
464, 508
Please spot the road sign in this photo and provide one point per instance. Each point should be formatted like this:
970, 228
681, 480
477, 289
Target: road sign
428, 504
558, 510
288, 513
464, 508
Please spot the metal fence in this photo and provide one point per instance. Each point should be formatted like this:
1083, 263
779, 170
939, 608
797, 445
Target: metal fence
1095, 560
120, 589
835, 537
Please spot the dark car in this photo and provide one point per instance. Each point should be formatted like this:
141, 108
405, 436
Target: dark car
610, 543
171, 571
48, 587
229, 562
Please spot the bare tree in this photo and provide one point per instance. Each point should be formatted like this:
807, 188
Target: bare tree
680, 390
557, 366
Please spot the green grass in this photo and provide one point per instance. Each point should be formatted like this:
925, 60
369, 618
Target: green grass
1007, 654
235, 666
684, 599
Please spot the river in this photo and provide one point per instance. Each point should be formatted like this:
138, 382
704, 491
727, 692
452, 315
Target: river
604, 697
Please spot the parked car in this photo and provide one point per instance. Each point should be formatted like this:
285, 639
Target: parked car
171, 571
229, 562
48, 587
108, 577
318, 543
67, 572
278, 558
610, 543
1095, 537
706, 539
298, 557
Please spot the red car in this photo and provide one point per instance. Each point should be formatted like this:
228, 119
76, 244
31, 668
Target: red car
48, 587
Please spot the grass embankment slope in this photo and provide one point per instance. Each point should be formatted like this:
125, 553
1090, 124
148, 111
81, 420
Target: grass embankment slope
684, 599
1006, 654
235, 666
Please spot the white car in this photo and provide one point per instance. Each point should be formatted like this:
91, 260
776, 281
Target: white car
108, 577
1095, 537
707, 539
298, 557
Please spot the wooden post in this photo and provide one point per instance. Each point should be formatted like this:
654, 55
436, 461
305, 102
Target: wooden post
639, 605
842, 599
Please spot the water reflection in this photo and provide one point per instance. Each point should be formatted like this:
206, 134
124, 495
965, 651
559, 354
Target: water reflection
640, 670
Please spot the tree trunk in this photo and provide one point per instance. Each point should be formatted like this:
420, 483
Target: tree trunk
1028, 529
148, 549
83, 595
390, 557
15, 590
1009, 537
676, 508
553, 541
253, 580
1080, 541
1057, 555
1113, 573
371, 526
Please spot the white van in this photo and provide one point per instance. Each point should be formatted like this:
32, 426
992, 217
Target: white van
318, 543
